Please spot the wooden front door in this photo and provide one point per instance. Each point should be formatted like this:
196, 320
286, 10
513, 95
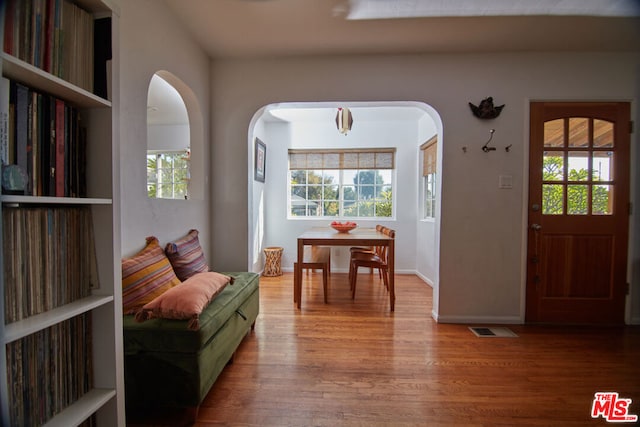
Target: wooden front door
578, 212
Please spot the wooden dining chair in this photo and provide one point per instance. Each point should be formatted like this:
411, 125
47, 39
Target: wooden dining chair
317, 257
378, 259
366, 249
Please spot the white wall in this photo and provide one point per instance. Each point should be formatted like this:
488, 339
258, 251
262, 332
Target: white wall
482, 252
282, 231
152, 41
428, 247
167, 137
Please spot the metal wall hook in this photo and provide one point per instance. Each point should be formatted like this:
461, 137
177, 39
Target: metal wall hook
486, 147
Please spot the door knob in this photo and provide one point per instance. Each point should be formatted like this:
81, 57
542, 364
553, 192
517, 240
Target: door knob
536, 227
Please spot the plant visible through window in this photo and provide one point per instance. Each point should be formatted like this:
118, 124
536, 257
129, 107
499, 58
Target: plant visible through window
168, 174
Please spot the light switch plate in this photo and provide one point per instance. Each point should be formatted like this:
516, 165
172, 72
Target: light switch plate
505, 181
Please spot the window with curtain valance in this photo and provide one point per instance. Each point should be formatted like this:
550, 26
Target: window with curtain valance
341, 182
429, 152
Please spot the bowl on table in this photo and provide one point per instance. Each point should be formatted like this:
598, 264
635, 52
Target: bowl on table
343, 227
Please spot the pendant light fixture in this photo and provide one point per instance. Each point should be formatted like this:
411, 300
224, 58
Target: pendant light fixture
344, 120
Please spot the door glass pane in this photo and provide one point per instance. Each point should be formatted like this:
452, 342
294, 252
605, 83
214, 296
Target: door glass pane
602, 200
602, 166
553, 166
578, 165
554, 133
577, 196
602, 134
552, 199
578, 132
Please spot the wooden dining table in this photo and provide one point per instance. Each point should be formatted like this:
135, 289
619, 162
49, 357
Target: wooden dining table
327, 236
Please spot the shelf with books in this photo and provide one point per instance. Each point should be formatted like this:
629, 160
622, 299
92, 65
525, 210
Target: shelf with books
18, 70
35, 305
47, 200
22, 328
83, 408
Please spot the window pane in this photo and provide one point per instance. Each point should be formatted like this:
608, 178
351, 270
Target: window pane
366, 192
298, 177
166, 175
315, 192
180, 191
314, 177
553, 166
313, 209
383, 177
365, 208
602, 134
152, 190
552, 199
341, 193
349, 176
152, 176
298, 192
602, 166
578, 165
554, 133
331, 176
349, 193
165, 191
331, 209
602, 200
331, 192
577, 196
578, 132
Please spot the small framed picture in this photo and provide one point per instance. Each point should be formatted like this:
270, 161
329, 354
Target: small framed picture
260, 161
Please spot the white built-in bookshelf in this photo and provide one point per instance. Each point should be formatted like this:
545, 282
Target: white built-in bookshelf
54, 326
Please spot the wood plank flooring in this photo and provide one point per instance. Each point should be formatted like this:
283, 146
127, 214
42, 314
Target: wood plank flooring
354, 363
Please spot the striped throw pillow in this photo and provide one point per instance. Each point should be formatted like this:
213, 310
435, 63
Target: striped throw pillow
145, 276
186, 256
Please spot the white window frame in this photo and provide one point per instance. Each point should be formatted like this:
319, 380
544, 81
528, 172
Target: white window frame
428, 152
341, 170
175, 194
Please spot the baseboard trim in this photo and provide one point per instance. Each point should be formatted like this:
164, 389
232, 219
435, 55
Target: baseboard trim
346, 270
424, 278
493, 320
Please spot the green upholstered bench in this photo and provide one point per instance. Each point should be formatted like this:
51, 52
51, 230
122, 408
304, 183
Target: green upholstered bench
168, 365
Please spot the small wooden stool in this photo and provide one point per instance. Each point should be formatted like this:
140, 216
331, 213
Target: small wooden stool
272, 263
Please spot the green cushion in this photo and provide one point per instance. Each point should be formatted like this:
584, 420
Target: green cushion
167, 335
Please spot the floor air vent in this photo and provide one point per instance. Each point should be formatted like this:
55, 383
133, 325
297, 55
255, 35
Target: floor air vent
493, 332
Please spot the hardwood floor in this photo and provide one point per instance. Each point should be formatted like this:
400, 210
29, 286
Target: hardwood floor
354, 363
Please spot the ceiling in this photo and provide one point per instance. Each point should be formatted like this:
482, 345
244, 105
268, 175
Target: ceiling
274, 28
236, 29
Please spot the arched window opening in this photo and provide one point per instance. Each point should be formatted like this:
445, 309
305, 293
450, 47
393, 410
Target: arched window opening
168, 142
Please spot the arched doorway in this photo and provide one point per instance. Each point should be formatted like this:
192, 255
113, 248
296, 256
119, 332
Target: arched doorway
405, 125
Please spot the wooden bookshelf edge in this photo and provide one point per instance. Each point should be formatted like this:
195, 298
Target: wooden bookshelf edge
23, 72
22, 328
54, 200
82, 409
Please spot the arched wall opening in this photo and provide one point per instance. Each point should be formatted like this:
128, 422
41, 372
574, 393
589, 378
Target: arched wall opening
174, 125
405, 125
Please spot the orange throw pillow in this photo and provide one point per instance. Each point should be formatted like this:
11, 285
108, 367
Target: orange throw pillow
187, 300
145, 276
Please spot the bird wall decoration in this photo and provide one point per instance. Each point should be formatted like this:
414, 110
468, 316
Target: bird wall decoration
486, 109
